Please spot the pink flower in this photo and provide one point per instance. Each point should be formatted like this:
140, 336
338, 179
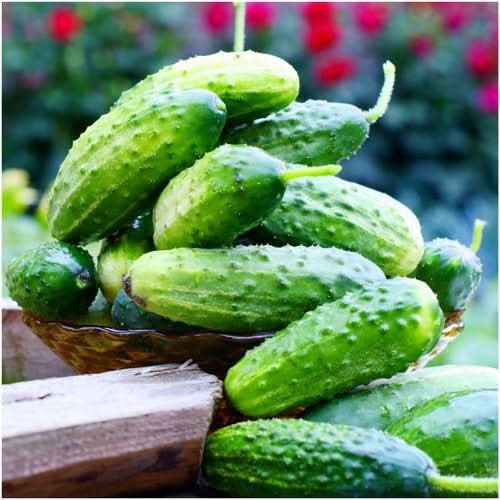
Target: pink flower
371, 18
260, 16
487, 97
454, 17
317, 12
422, 45
63, 24
481, 58
334, 70
217, 16
321, 36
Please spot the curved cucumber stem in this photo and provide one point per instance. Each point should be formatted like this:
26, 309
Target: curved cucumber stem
477, 235
296, 173
464, 486
373, 114
239, 26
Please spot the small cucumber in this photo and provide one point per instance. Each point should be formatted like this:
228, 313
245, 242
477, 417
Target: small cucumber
55, 280
387, 401
227, 192
452, 270
369, 334
314, 132
126, 157
120, 251
334, 212
245, 288
251, 84
458, 431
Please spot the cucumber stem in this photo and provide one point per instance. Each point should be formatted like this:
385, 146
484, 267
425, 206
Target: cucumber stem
477, 235
465, 486
239, 26
296, 173
373, 114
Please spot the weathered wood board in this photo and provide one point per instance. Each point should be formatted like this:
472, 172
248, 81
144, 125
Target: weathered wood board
24, 355
122, 432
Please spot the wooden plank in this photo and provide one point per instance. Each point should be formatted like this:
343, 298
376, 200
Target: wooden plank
121, 432
24, 355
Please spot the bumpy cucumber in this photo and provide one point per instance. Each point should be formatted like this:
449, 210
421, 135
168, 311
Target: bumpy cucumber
246, 288
127, 156
452, 270
55, 280
229, 191
314, 132
458, 431
251, 84
334, 212
368, 334
119, 251
387, 401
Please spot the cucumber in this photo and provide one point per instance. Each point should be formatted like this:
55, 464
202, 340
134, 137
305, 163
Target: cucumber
126, 157
229, 191
387, 401
314, 132
369, 334
334, 212
127, 314
55, 280
247, 288
251, 84
458, 431
119, 251
452, 270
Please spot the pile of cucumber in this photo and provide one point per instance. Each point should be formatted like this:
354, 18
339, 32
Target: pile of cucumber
215, 195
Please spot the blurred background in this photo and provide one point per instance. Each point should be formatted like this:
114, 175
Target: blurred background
435, 150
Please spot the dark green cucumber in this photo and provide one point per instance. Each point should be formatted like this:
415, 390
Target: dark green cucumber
119, 251
452, 270
127, 314
251, 84
368, 334
458, 431
224, 194
55, 280
299, 459
314, 132
246, 288
334, 212
127, 156
386, 401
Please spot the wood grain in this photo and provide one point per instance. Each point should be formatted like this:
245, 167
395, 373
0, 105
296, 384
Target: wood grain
121, 432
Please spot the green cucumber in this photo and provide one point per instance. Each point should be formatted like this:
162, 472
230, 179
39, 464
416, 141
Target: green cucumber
247, 288
369, 334
458, 431
334, 212
251, 84
227, 192
55, 280
314, 132
452, 270
386, 401
126, 157
294, 458
118, 252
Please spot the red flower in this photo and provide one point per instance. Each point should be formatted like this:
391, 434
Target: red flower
334, 70
260, 16
317, 12
371, 18
454, 17
422, 45
481, 58
64, 24
217, 16
321, 36
487, 97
